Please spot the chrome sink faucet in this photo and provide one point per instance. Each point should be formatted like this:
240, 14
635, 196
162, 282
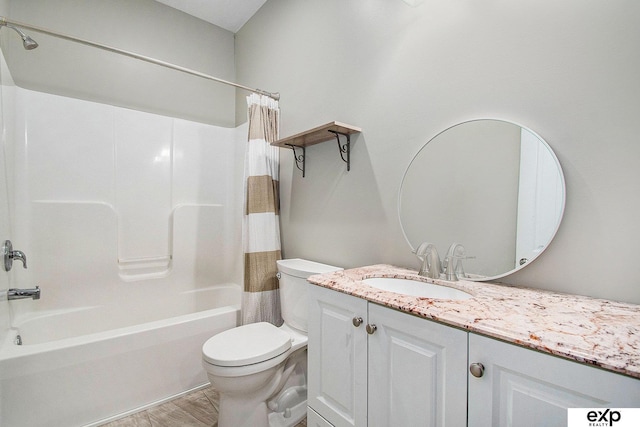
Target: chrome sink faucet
428, 254
453, 262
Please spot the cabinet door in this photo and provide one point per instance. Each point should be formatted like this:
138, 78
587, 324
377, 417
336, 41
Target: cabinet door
525, 388
315, 420
417, 371
337, 378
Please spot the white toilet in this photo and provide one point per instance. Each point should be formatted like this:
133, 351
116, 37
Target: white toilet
260, 369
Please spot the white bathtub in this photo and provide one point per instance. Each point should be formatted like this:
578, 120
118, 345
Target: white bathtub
89, 365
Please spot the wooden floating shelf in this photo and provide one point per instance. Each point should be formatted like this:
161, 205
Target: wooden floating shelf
316, 135
332, 130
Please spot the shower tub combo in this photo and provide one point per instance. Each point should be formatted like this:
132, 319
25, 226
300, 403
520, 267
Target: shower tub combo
108, 339
87, 366
112, 333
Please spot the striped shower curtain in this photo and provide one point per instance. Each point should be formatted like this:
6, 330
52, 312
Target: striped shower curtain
261, 224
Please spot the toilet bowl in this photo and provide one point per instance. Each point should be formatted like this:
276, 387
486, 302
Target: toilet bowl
259, 369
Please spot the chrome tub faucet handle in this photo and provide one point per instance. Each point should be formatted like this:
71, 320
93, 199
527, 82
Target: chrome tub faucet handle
9, 255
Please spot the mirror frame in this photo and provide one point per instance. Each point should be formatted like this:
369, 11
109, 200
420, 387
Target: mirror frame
562, 182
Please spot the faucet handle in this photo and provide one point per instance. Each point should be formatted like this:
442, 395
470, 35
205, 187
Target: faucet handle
20, 256
9, 255
453, 262
428, 255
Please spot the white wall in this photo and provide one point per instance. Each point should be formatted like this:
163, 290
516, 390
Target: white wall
112, 202
144, 27
567, 70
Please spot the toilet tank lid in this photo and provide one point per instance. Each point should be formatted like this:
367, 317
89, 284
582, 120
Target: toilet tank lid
246, 345
298, 267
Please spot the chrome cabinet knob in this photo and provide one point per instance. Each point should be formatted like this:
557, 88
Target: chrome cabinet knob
357, 321
476, 369
371, 329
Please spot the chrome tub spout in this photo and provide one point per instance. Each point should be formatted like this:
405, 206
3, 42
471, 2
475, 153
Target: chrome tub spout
33, 293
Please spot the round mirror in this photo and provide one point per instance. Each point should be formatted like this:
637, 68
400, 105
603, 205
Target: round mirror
493, 186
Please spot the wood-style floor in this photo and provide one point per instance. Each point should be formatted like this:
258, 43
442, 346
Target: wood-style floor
196, 409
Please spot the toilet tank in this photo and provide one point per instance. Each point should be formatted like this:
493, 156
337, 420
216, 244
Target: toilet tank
294, 301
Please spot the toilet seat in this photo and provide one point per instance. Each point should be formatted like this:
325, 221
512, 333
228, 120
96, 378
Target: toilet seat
246, 345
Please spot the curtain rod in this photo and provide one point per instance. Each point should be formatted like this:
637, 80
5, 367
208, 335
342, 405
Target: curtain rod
4, 21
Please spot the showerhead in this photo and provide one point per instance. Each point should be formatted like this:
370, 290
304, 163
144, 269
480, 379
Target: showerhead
27, 41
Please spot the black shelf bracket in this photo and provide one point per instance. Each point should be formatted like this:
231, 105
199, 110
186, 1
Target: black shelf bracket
299, 158
344, 148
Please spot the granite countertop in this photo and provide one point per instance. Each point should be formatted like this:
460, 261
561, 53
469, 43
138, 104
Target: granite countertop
588, 330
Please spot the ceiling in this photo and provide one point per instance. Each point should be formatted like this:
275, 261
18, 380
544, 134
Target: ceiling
228, 14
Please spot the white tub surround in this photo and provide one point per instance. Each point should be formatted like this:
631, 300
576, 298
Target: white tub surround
177, 229
593, 331
134, 278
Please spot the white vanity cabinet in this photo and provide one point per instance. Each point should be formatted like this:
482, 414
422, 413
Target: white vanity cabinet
521, 387
374, 366
337, 357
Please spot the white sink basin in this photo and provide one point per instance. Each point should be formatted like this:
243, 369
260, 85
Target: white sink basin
416, 288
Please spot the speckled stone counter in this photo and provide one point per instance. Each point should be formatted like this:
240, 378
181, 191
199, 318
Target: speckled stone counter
593, 331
